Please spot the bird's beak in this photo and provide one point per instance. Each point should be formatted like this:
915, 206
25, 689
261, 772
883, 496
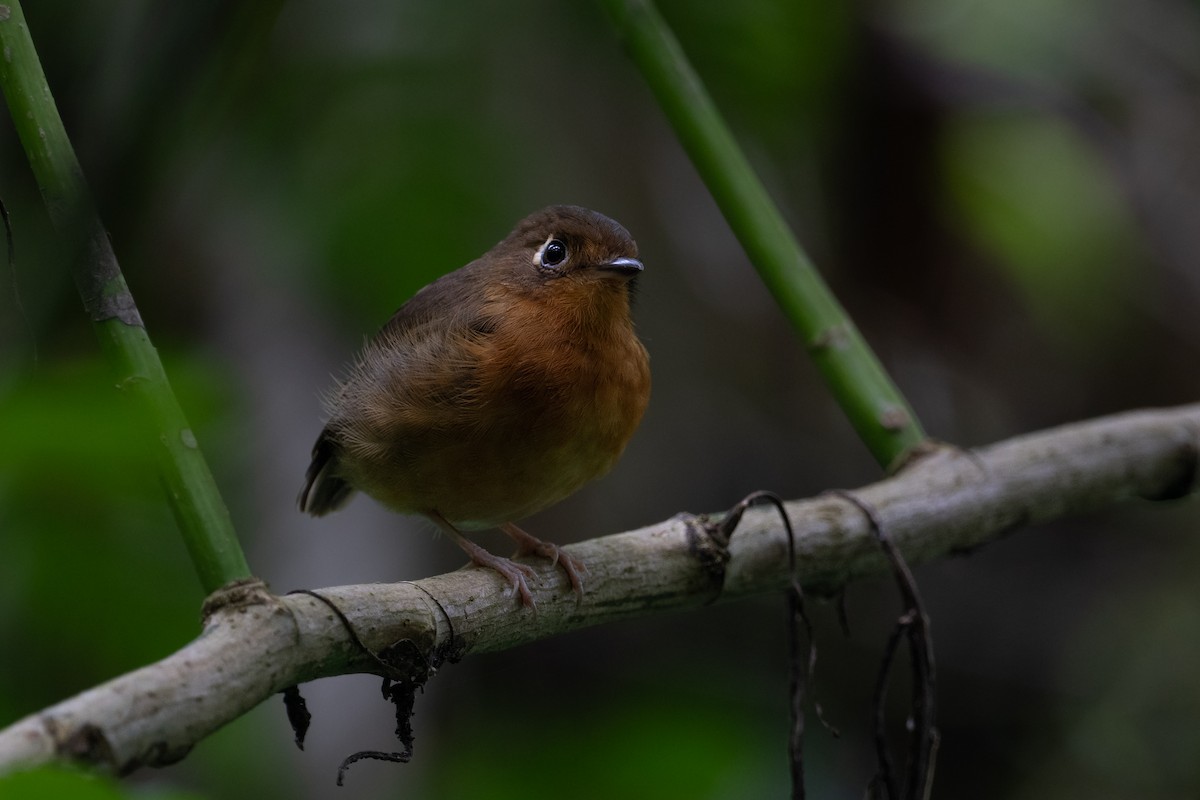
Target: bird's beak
624, 266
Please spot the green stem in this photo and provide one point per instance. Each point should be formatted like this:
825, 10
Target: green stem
199, 509
883, 418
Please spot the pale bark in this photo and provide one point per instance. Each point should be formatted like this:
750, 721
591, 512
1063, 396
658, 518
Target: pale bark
255, 644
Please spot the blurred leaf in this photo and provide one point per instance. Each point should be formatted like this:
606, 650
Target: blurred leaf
1036, 196
425, 140
94, 579
772, 67
635, 747
63, 784
1036, 39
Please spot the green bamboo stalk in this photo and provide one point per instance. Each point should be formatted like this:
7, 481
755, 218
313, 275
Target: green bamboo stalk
199, 510
883, 418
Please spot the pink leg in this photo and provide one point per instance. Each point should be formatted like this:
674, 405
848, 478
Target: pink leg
530, 545
513, 572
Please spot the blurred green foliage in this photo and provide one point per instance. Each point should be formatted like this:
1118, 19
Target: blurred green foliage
92, 566
782, 79
63, 784
1043, 203
640, 748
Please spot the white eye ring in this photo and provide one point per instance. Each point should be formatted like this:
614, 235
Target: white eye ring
552, 254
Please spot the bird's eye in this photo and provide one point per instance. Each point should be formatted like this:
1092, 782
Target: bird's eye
554, 253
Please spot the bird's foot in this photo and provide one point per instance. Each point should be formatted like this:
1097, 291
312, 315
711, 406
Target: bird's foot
510, 570
530, 545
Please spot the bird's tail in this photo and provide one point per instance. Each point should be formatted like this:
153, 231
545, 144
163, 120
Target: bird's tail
324, 490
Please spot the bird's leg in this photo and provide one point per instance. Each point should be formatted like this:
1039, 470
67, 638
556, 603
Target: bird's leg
530, 545
513, 572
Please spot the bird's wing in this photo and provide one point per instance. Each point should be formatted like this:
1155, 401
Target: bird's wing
323, 491
450, 300
420, 335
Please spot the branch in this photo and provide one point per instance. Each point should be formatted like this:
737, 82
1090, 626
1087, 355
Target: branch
256, 644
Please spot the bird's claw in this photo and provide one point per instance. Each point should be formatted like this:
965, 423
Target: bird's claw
530, 545
516, 575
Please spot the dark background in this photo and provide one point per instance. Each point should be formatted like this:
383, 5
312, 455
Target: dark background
1005, 196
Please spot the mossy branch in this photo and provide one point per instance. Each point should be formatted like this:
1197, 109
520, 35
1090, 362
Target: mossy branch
879, 412
198, 506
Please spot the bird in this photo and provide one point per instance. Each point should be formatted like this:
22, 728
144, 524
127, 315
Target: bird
496, 391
